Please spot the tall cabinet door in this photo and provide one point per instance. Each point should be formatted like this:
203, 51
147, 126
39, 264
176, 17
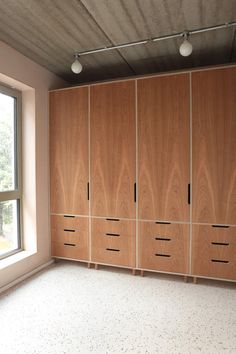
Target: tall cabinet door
69, 151
214, 146
112, 109
163, 138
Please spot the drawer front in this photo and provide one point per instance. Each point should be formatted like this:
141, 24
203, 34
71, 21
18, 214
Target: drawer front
61, 222
164, 247
214, 251
69, 250
61, 236
113, 242
70, 237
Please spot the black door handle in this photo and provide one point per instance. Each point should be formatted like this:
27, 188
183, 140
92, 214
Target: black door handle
189, 193
88, 190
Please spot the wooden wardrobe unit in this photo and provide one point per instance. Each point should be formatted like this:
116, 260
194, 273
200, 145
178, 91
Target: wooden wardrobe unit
143, 173
69, 171
113, 173
164, 172
214, 173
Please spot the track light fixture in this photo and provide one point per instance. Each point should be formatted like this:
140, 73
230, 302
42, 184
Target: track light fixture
76, 66
185, 48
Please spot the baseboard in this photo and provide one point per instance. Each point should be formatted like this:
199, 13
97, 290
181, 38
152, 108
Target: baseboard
25, 276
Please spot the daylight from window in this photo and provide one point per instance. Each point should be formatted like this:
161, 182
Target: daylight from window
8, 208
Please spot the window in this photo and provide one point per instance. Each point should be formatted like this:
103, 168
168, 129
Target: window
10, 184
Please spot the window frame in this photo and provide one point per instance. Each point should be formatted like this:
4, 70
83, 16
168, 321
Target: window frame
15, 194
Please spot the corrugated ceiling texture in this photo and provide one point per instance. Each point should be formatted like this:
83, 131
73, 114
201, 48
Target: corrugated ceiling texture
50, 31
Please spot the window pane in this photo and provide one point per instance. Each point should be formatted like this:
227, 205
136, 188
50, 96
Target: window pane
9, 239
7, 143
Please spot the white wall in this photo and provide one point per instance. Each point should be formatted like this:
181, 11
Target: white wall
34, 81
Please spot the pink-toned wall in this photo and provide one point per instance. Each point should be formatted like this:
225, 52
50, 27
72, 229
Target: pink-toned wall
34, 81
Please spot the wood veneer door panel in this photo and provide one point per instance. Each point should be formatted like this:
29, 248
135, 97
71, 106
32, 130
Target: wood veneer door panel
163, 125
113, 149
214, 146
69, 151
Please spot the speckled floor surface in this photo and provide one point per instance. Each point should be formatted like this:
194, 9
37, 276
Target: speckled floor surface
70, 309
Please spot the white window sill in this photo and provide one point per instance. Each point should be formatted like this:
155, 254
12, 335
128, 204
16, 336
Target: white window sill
6, 262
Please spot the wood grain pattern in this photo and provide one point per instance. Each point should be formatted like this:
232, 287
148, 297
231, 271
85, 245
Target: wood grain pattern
163, 116
214, 251
70, 237
69, 151
214, 146
164, 247
113, 149
113, 242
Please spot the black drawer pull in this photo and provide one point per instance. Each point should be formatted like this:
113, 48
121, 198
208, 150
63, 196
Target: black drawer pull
163, 222
162, 239
69, 244
113, 235
224, 226
69, 216
219, 261
220, 244
112, 249
68, 230
113, 219
162, 255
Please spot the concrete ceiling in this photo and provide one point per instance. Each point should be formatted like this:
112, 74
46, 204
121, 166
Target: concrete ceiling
50, 31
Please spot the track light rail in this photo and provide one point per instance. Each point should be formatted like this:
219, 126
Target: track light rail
157, 39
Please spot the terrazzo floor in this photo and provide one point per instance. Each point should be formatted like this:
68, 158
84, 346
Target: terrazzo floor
70, 309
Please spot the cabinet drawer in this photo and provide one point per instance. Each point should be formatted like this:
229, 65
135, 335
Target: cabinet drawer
69, 237
71, 250
113, 242
164, 247
214, 251
61, 222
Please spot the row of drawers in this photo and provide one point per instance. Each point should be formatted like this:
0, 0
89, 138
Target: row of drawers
163, 247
